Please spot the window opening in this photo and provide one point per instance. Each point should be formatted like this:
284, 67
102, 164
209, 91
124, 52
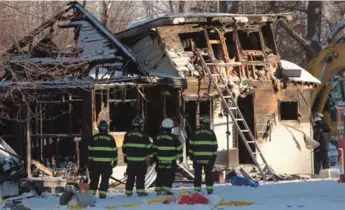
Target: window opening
268, 37
249, 40
230, 44
215, 43
193, 40
288, 110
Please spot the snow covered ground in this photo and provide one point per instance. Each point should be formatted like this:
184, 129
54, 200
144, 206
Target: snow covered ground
315, 195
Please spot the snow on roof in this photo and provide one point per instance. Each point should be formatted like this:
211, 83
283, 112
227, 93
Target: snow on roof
305, 75
138, 23
142, 26
237, 17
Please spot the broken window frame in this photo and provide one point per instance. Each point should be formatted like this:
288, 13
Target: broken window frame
191, 40
249, 31
296, 102
273, 41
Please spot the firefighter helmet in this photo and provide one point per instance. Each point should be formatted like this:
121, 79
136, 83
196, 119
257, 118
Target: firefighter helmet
205, 120
138, 122
167, 123
317, 119
103, 126
319, 114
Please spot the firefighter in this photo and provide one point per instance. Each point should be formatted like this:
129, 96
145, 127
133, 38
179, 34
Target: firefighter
102, 159
321, 159
203, 152
167, 150
137, 152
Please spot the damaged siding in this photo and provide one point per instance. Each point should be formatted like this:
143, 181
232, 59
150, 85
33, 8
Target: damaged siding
282, 141
286, 153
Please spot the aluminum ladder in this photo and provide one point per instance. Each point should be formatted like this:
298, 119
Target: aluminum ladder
235, 113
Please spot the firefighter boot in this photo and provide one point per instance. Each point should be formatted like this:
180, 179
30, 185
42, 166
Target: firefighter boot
142, 194
129, 193
168, 193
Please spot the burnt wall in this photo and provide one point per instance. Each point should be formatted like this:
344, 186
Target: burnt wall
291, 105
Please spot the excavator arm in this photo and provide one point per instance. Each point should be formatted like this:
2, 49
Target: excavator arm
327, 64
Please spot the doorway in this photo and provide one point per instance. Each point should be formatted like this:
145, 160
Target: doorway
246, 106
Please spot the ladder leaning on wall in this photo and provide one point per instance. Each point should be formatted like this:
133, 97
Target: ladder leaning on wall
233, 110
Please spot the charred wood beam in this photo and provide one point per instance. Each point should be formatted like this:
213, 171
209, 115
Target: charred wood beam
122, 100
77, 150
41, 167
87, 110
47, 135
61, 61
28, 39
59, 102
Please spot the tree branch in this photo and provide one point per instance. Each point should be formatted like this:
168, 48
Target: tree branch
306, 45
303, 42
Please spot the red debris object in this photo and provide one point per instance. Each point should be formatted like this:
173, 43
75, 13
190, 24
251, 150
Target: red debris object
342, 178
184, 200
83, 186
197, 198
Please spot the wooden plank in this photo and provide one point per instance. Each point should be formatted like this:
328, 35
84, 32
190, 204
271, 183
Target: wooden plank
54, 135
77, 150
214, 42
87, 127
41, 167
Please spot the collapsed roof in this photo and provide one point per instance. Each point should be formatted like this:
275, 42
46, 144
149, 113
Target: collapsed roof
71, 44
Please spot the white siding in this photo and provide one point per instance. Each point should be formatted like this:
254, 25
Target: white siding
286, 151
220, 131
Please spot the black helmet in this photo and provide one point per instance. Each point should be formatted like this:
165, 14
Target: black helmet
103, 126
205, 120
138, 122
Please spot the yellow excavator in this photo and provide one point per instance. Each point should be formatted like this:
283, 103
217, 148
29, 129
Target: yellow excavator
329, 63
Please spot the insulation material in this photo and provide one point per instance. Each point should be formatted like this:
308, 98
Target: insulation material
183, 63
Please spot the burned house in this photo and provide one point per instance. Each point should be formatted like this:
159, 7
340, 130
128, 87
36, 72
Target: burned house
67, 75
273, 95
